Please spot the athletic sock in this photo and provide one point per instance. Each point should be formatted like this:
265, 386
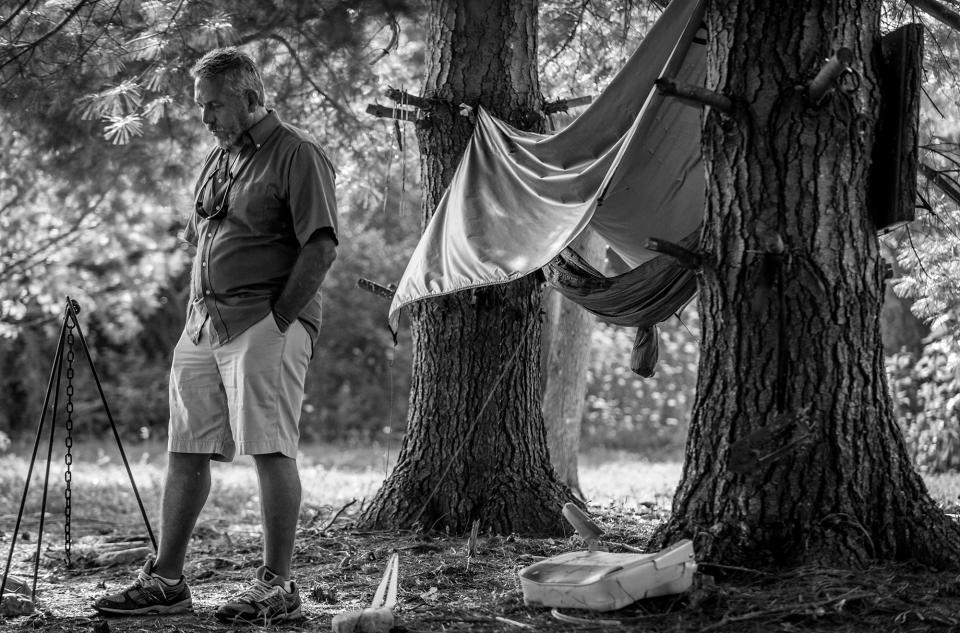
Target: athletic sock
166, 581
279, 581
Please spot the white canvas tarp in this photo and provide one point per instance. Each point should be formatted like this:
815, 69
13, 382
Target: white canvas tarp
629, 167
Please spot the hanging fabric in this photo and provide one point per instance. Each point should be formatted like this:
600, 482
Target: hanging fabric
629, 167
642, 297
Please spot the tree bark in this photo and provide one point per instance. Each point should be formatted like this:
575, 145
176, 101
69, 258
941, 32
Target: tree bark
475, 446
793, 454
567, 334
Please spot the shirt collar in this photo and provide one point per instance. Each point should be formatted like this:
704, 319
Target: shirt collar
262, 129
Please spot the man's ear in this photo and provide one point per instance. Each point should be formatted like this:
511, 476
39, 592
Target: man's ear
251, 98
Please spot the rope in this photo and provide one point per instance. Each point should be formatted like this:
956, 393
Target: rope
473, 423
780, 385
386, 181
390, 414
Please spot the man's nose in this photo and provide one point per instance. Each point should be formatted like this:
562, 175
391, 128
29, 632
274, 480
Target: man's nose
206, 115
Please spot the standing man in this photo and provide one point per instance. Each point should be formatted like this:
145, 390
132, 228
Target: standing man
265, 230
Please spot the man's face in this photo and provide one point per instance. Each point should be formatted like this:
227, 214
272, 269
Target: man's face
225, 113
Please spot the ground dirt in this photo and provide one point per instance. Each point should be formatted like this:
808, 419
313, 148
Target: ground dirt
443, 587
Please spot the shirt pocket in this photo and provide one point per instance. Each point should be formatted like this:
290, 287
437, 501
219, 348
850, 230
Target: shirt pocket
259, 206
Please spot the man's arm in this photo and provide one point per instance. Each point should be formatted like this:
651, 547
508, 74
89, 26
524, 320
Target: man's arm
308, 272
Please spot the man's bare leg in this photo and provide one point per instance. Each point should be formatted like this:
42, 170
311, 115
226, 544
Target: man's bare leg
280, 509
184, 494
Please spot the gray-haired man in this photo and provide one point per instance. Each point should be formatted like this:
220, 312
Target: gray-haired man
265, 232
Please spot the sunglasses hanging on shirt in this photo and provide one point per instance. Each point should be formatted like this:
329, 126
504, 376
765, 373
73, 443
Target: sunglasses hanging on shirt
212, 198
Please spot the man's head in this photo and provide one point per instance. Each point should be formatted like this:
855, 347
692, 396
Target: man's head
228, 90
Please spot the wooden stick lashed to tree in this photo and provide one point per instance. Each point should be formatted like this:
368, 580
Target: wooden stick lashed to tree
696, 96
406, 101
830, 72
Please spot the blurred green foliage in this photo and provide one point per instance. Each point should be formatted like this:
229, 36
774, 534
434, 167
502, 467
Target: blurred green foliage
925, 383
102, 143
94, 180
644, 415
926, 393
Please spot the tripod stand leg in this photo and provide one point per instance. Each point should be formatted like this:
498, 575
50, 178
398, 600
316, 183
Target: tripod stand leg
54, 371
116, 435
46, 474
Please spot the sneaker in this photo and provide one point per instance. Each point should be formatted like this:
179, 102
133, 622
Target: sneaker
148, 595
264, 602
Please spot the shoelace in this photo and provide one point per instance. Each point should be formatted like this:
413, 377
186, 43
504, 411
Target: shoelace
146, 582
258, 591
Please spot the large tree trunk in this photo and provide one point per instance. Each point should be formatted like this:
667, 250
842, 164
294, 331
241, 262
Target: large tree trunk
475, 447
567, 334
793, 455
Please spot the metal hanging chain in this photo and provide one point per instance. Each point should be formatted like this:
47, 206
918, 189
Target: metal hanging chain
72, 309
64, 343
68, 442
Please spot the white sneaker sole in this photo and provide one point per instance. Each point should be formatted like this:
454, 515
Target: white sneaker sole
185, 606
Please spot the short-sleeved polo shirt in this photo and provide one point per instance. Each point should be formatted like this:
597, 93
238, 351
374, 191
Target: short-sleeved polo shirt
276, 193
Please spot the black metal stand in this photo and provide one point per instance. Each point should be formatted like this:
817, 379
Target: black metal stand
69, 326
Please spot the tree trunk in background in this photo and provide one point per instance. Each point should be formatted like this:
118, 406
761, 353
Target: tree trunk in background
900, 328
22, 381
475, 446
793, 454
567, 334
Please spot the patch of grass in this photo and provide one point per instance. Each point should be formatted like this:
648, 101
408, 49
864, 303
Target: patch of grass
443, 586
622, 479
619, 482
103, 499
945, 490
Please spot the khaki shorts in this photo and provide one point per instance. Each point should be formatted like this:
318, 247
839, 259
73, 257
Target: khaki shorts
245, 395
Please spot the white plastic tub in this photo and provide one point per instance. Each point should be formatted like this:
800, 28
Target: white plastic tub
604, 581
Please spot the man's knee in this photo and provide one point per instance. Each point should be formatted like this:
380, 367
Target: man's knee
186, 463
277, 469
273, 458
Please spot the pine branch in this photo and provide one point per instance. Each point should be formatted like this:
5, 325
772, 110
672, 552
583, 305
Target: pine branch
571, 34
10, 18
12, 202
937, 11
38, 254
392, 44
25, 48
306, 75
949, 187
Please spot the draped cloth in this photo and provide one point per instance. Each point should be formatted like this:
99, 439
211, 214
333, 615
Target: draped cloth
641, 297
629, 167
